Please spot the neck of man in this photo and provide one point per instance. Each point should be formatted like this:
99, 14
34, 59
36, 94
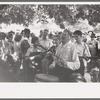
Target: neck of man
64, 42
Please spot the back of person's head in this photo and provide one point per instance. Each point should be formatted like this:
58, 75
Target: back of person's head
34, 40
27, 32
12, 32
50, 36
17, 38
10, 35
46, 31
32, 34
24, 46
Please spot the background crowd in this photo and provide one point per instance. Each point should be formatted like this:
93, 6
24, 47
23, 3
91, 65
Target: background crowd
17, 48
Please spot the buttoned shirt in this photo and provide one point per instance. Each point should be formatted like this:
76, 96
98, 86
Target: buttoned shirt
68, 54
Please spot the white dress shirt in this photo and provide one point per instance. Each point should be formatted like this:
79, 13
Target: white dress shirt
68, 54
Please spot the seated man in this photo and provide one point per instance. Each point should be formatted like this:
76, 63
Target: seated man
66, 59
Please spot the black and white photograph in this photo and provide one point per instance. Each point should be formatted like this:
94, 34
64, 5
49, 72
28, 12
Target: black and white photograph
49, 49
50, 43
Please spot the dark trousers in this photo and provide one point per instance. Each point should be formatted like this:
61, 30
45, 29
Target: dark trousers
61, 73
81, 70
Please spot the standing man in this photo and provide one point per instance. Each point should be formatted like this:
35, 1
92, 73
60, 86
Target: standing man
82, 50
25, 45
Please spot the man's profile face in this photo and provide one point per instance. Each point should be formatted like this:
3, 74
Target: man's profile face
78, 38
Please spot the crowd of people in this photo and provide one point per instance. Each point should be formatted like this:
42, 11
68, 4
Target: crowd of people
64, 52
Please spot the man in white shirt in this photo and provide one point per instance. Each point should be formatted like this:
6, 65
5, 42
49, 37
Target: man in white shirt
44, 41
82, 50
66, 59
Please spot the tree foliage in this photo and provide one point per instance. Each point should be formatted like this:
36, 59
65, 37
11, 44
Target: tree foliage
26, 14
19, 14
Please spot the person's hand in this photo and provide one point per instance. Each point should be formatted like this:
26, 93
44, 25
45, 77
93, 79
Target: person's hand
52, 66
